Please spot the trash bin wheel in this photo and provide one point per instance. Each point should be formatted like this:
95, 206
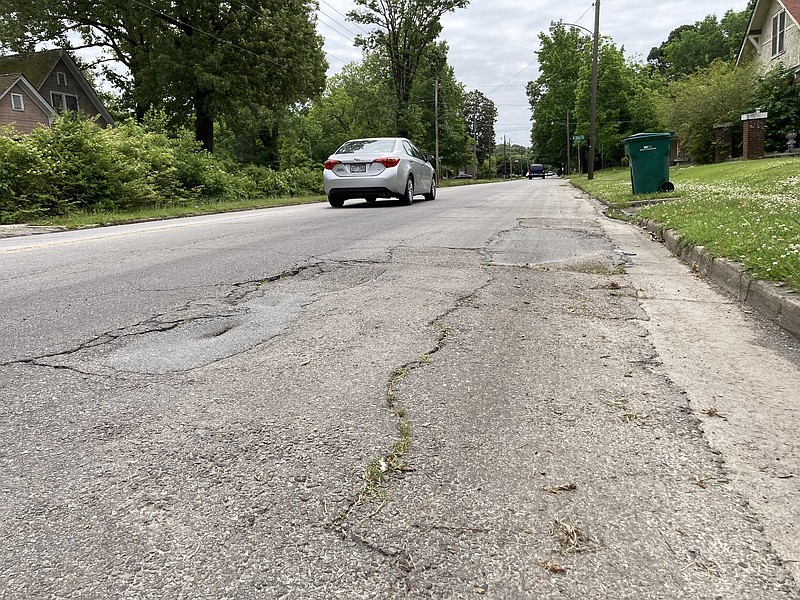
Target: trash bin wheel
666, 186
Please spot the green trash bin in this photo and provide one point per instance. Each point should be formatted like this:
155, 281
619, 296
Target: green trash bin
648, 154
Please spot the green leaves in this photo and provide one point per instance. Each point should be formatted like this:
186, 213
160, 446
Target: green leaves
625, 99
481, 115
404, 31
778, 95
195, 59
692, 47
692, 106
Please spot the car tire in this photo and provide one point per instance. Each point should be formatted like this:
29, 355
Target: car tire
432, 194
408, 196
335, 202
370, 199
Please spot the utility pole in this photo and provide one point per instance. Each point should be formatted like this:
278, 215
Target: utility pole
436, 118
593, 106
569, 143
505, 159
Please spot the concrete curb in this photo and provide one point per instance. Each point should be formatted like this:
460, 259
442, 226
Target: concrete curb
774, 301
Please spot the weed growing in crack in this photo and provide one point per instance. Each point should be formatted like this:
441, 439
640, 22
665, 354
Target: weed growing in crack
375, 473
392, 462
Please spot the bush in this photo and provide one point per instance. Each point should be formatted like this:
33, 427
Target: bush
21, 178
778, 95
691, 106
77, 166
291, 182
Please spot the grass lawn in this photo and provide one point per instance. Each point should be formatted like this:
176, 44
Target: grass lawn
747, 211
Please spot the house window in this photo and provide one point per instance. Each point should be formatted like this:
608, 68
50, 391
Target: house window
778, 32
17, 102
63, 101
61, 78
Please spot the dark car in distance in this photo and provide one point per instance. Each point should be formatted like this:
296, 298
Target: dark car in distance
535, 171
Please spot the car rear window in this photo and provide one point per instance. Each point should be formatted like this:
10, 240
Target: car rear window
366, 146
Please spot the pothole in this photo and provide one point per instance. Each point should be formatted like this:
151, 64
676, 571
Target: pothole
555, 248
201, 341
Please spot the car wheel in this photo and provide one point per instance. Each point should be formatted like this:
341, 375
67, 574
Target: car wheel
432, 194
408, 196
371, 199
336, 202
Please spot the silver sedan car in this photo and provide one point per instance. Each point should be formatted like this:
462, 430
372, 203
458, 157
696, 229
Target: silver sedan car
378, 168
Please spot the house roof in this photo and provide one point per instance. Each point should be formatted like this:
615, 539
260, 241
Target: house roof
36, 66
793, 8
6, 81
9, 80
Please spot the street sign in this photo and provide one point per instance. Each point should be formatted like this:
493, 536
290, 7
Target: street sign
578, 138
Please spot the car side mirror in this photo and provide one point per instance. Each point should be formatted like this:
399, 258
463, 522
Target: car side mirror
430, 158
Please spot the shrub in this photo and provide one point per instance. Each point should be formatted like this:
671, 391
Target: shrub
291, 182
23, 181
81, 170
76, 166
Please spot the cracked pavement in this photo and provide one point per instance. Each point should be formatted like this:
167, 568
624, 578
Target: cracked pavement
193, 414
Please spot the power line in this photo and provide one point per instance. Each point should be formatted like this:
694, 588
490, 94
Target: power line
333, 8
513, 77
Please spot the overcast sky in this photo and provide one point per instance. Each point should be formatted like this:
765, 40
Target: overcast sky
493, 43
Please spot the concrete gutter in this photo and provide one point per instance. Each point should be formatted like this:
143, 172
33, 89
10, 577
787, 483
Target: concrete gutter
772, 300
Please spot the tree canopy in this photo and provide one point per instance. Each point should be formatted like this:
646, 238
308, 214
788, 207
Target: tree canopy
198, 60
560, 98
358, 102
404, 31
481, 115
552, 95
692, 47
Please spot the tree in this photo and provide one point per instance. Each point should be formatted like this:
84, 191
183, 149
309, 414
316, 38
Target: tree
357, 102
197, 59
692, 106
453, 136
480, 114
404, 31
692, 47
552, 96
625, 101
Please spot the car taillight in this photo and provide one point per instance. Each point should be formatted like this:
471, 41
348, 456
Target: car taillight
329, 164
388, 161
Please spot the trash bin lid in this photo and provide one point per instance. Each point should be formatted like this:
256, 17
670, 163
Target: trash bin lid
641, 137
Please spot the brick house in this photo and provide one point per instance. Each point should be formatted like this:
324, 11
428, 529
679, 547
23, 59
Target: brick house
35, 86
773, 35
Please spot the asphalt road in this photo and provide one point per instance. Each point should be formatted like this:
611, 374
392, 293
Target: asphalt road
546, 403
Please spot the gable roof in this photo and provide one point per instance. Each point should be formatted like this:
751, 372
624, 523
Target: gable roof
759, 17
37, 66
793, 8
9, 80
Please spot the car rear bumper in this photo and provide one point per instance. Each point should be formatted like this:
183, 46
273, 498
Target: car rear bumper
362, 192
387, 184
